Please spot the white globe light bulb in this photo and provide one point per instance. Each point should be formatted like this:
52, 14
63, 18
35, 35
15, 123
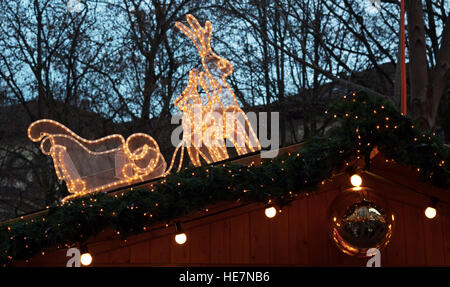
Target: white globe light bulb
180, 238
430, 212
86, 259
356, 180
270, 212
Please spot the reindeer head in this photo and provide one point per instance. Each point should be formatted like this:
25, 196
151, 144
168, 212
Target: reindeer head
201, 37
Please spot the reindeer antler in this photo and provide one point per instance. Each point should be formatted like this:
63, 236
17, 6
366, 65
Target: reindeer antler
216, 68
201, 37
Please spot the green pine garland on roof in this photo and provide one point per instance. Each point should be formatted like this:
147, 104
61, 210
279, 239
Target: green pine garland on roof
362, 122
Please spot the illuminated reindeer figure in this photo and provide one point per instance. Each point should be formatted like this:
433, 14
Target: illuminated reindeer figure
200, 117
197, 121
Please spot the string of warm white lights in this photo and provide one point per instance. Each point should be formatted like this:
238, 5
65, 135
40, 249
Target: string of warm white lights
270, 211
356, 180
206, 124
180, 236
134, 160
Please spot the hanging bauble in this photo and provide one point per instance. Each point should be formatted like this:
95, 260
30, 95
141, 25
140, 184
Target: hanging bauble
360, 219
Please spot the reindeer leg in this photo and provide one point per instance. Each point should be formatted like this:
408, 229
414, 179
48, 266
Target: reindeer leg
252, 140
246, 131
235, 136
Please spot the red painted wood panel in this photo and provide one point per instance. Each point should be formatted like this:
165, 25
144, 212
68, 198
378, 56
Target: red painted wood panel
259, 238
318, 229
298, 232
414, 233
395, 253
240, 239
220, 242
199, 242
100, 259
446, 229
140, 253
279, 237
434, 241
160, 250
120, 255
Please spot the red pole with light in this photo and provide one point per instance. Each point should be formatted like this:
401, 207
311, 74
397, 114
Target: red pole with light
402, 58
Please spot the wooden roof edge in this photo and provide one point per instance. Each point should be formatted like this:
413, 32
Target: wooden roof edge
410, 180
244, 159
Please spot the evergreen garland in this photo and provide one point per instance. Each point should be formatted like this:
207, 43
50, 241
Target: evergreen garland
362, 123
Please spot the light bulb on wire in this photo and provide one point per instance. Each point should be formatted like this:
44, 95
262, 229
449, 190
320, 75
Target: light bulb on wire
180, 237
270, 212
430, 211
356, 180
86, 259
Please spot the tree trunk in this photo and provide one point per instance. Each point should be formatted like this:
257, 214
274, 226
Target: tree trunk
440, 75
418, 65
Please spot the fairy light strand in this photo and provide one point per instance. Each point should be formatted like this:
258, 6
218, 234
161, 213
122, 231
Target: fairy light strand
135, 159
209, 121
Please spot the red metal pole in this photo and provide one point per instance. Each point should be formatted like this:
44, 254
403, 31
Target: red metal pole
402, 57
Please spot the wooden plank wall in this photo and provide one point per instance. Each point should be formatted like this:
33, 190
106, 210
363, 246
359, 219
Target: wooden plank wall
298, 236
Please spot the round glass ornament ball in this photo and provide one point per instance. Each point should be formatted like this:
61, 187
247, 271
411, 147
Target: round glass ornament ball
360, 219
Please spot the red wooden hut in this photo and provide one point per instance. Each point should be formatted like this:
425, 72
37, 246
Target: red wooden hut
230, 234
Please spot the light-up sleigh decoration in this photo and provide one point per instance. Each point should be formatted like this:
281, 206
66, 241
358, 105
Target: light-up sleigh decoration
97, 165
111, 162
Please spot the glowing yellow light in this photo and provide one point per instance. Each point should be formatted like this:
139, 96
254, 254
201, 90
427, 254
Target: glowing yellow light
135, 159
270, 212
181, 238
208, 121
356, 180
86, 259
430, 212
